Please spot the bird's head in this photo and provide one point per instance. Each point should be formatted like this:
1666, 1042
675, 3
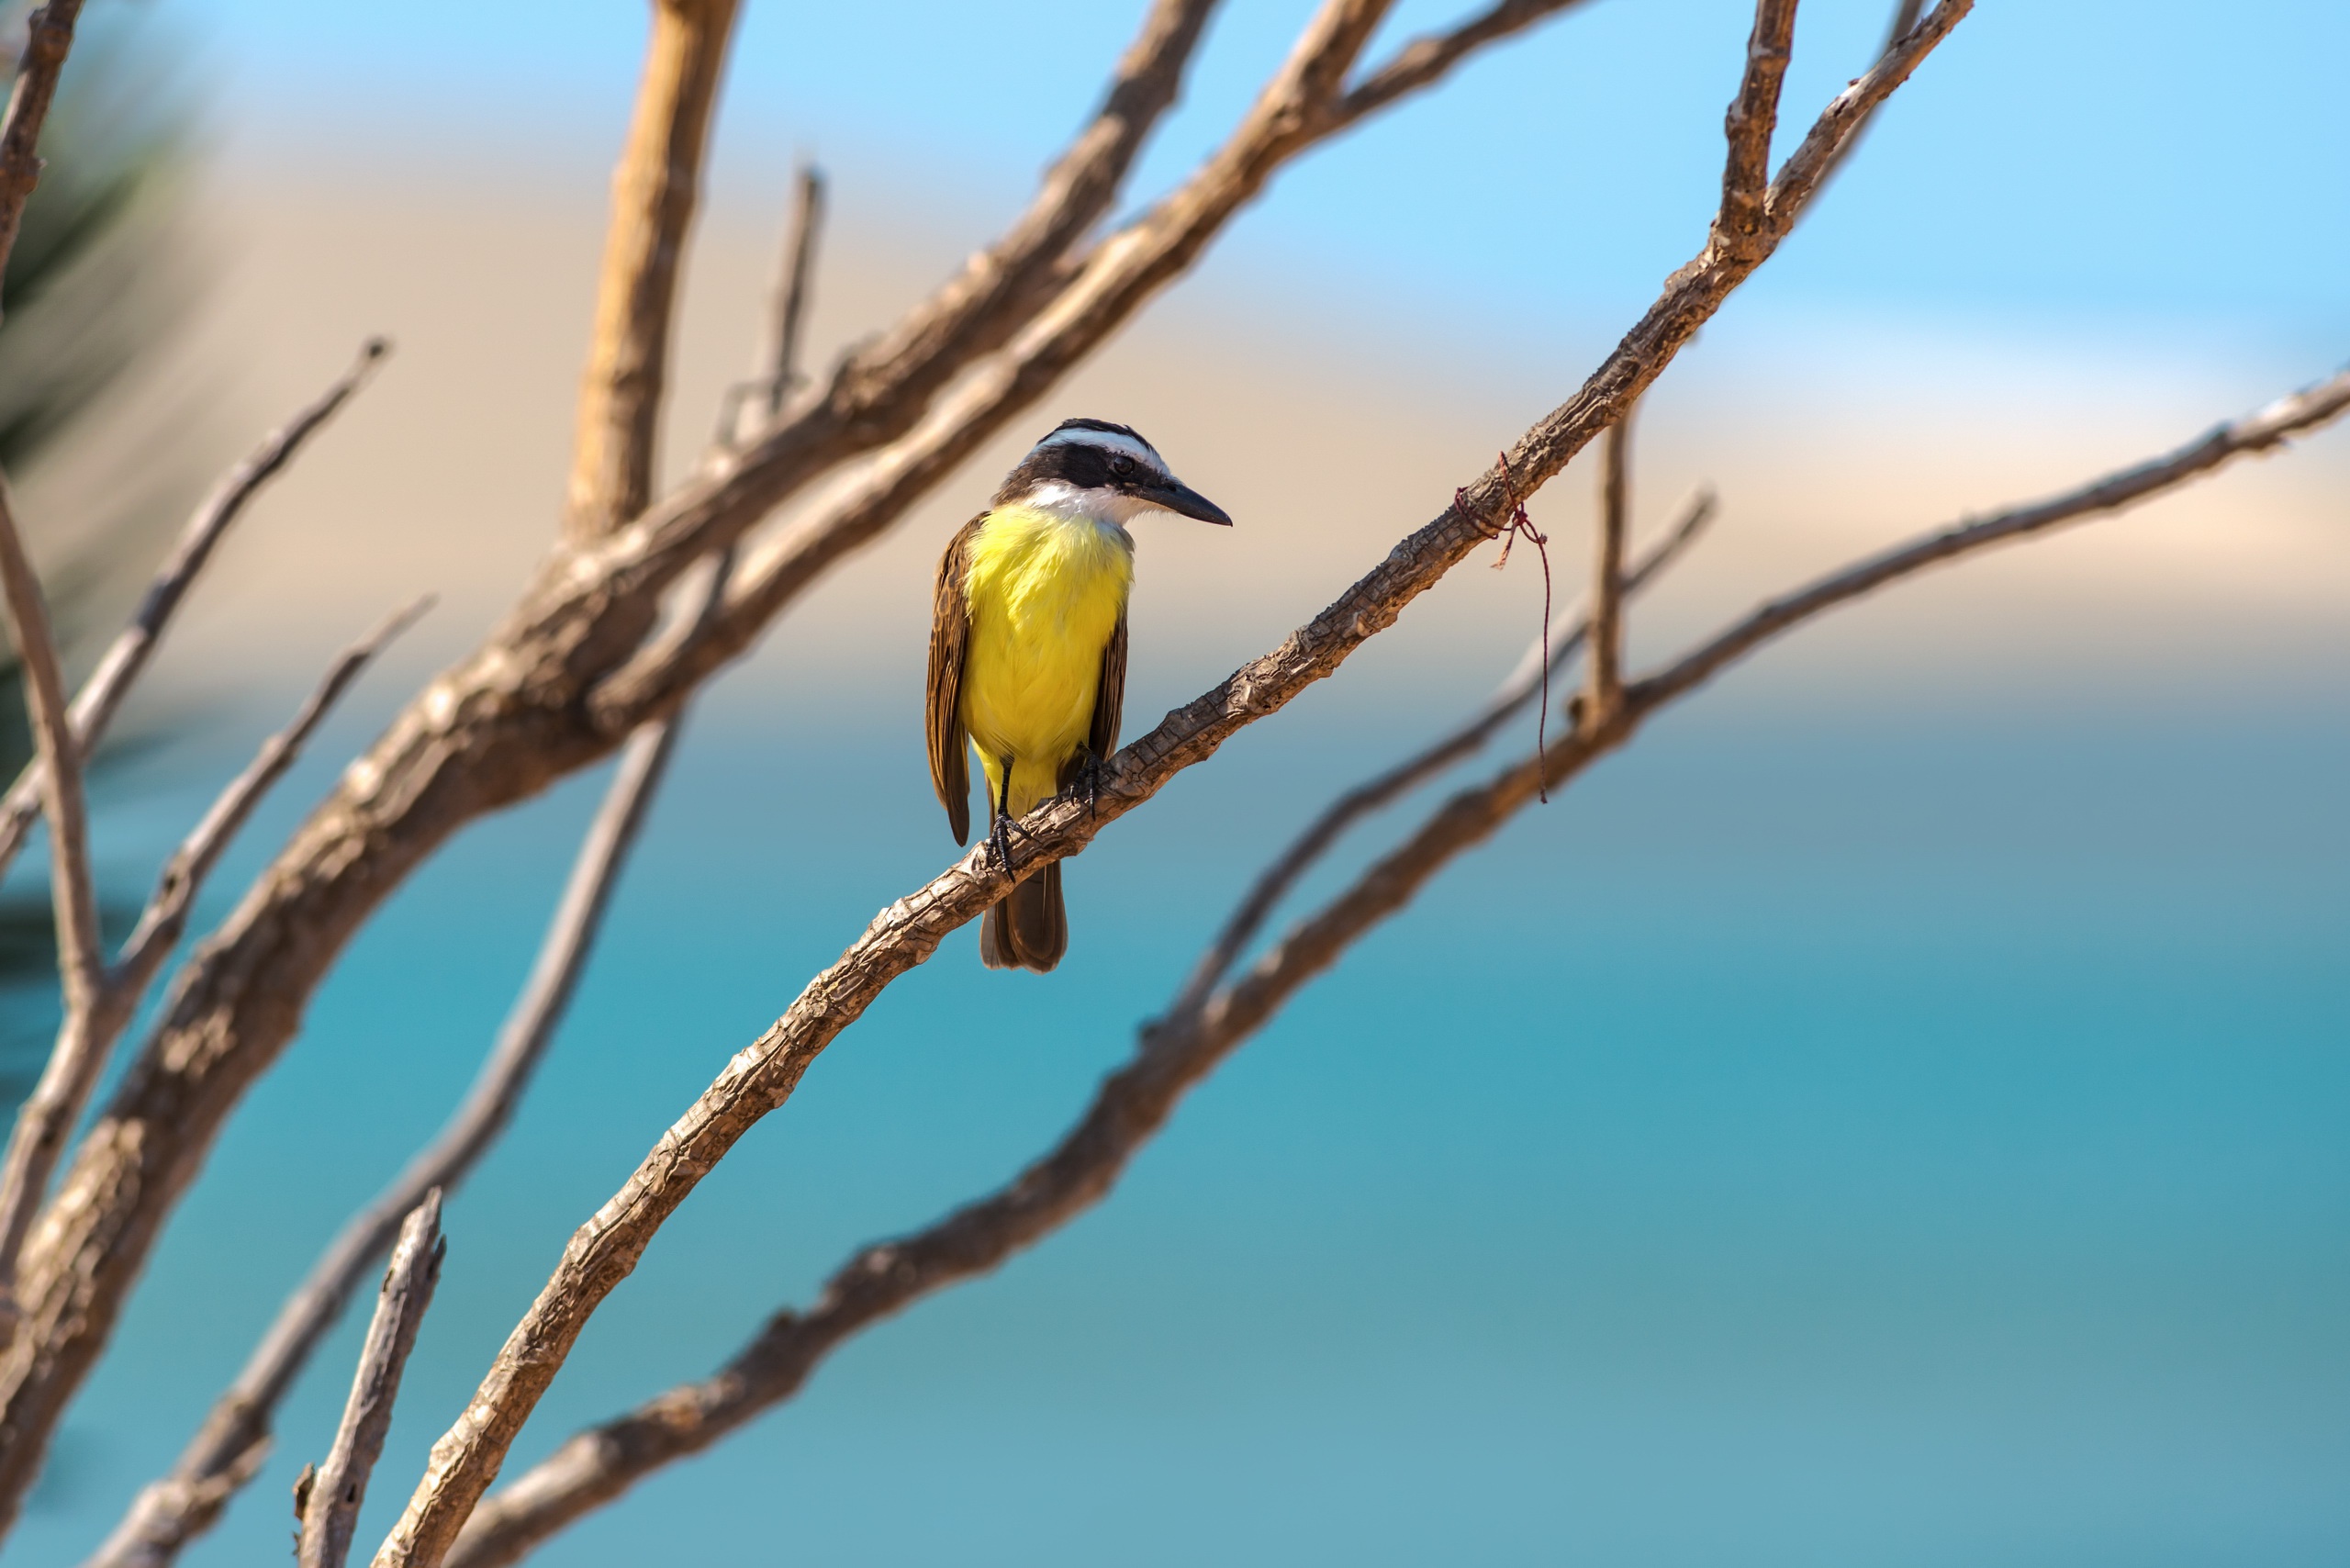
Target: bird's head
1105, 471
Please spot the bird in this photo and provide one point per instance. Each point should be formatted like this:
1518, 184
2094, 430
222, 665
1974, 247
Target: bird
1028, 650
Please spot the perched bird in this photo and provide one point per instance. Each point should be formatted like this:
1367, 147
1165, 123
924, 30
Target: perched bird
1028, 649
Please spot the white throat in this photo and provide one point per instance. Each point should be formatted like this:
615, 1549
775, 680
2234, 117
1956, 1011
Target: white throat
1103, 507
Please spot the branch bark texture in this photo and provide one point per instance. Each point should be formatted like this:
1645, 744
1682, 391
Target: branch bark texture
504, 723
604, 1251
331, 1511
1194, 1038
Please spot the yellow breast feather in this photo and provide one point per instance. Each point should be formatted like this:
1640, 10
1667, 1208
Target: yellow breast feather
1045, 591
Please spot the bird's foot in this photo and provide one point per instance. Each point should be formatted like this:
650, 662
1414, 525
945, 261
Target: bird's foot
1000, 833
1088, 782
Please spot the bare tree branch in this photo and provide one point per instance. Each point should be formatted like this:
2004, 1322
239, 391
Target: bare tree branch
161, 922
48, 34
126, 657
1299, 109
758, 402
1753, 114
228, 1449
330, 1500
79, 1053
109, 998
1905, 17
1566, 638
653, 191
1425, 61
500, 725
1605, 687
762, 1076
1190, 1040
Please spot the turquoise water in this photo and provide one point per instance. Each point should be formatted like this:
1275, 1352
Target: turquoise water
1862, 1137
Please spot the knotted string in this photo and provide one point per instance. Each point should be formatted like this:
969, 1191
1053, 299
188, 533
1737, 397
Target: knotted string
1519, 523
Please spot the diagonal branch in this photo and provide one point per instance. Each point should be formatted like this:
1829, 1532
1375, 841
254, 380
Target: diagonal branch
102, 694
763, 1075
1425, 61
48, 34
498, 727
653, 191
328, 1499
503, 723
601, 1462
94, 1024
164, 919
1302, 106
65, 1082
1568, 635
229, 1448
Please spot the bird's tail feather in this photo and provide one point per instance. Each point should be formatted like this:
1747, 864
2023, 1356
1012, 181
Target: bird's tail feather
1028, 929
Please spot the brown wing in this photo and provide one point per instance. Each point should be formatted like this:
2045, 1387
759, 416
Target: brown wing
1110, 696
950, 634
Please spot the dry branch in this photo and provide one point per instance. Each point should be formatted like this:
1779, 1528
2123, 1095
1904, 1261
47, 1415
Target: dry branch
102, 694
48, 34
1566, 638
1605, 689
164, 919
1302, 106
330, 1497
600, 1463
762, 1076
55, 1104
236, 1436
1753, 114
92, 1027
653, 191
501, 725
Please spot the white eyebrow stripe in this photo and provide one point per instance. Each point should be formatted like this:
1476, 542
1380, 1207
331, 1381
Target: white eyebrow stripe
1110, 440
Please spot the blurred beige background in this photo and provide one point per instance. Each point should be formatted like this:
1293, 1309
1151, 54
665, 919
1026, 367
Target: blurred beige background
1327, 425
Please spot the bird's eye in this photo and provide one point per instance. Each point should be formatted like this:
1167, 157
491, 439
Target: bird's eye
1123, 467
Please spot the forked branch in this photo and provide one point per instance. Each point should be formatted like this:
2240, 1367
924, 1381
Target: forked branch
764, 1074
1190, 1040
328, 1499
48, 1115
126, 657
93, 1023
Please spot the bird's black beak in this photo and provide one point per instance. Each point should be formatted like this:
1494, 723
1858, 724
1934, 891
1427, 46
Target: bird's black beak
1176, 497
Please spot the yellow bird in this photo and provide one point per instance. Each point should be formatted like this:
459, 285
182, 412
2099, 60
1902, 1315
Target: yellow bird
1028, 650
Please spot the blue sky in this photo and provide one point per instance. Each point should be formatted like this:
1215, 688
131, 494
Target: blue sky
2156, 166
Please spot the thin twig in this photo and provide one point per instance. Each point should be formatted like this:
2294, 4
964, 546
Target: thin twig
1175, 1054
763, 397
79, 1053
654, 192
764, 1074
1567, 636
333, 1493
1425, 59
48, 34
1304, 105
1605, 687
514, 716
102, 694
228, 1451
1905, 17
164, 920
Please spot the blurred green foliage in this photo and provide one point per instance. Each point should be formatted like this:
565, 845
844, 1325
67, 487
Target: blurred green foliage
98, 281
